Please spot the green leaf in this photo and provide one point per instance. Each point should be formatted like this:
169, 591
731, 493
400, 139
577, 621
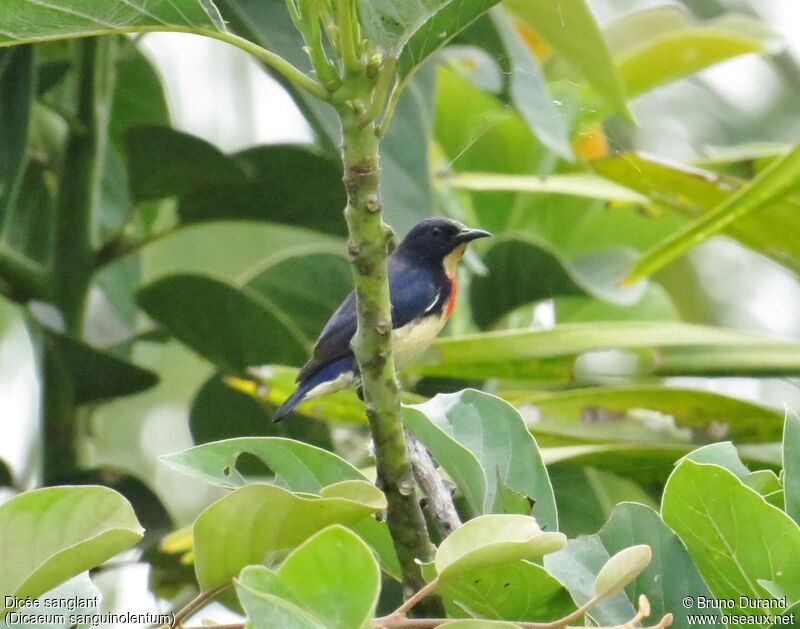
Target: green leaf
791, 465
521, 271
493, 540
646, 414
659, 45
237, 328
723, 523
632, 523
576, 566
571, 29
332, 576
97, 375
571, 184
302, 467
587, 496
267, 518
520, 590
651, 348
298, 466
278, 189
439, 30
693, 192
24, 21
723, 454
621, 569
50, 535
265, 611
16, 97
529, 91
164, 162
775, 181
481, 441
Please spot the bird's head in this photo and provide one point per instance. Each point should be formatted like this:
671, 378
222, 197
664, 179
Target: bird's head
439, 241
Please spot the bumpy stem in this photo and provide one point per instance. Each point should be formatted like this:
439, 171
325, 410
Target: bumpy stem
368, 248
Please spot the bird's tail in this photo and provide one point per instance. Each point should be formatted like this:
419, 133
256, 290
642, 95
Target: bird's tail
327, 374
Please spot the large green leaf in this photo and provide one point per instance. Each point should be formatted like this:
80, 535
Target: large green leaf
723, 524
164, 162
651, 348
529, 91
232, 327
27, 21
493, 540
286, 184
658, 45
576, 566
570, 27
302, 467
296, 465
332, 576
50, 535
59, 604
791, 465
520, 590
631, 524
265, 610
451, 19
772, 184
586, 496
96, 375
245, 526
521, 271
483, 444
627, 414
693, 192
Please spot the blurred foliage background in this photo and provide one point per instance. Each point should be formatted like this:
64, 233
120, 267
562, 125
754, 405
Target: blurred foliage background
219, 244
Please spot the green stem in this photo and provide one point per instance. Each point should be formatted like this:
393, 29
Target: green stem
74, 261
347, 23
368, 248
24, 278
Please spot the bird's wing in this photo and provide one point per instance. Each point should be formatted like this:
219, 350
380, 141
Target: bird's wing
413, 292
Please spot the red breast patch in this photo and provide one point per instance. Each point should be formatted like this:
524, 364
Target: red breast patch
452, 301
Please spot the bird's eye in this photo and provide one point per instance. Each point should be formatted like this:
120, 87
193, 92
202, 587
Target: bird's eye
436, 232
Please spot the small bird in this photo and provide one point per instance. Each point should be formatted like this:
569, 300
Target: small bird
422, 289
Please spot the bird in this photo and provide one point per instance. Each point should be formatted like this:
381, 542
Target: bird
422, 290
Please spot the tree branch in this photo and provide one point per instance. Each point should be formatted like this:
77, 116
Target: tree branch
25, 278
439, 498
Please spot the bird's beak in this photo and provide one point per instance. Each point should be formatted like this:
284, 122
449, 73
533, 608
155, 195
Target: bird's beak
468, 235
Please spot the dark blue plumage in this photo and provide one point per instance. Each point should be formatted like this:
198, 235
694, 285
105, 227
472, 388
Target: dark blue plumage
421, 275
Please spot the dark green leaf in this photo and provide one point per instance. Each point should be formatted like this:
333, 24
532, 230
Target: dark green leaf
631, 524
221, 412
96, 375
231, 327
286, 184
164, 162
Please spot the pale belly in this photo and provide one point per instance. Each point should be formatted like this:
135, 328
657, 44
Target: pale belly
407, 343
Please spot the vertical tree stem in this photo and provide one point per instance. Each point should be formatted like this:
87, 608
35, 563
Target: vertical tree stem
368, 248
74, 259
